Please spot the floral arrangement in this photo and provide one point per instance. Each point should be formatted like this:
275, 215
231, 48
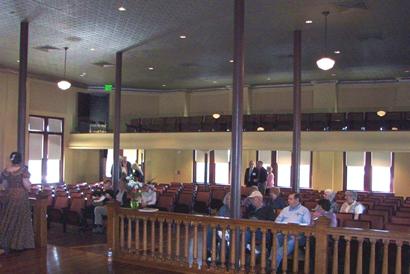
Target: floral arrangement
134, 189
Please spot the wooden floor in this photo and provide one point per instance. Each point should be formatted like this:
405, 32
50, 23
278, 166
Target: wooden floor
71, 253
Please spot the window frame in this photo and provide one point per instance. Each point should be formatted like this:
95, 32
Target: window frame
45, 134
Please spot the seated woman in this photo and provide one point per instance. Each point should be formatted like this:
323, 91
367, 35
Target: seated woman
148, 195
275, 199
323, 209
352, 205
331, 195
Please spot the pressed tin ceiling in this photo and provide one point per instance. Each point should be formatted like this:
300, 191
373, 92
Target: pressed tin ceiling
373, 37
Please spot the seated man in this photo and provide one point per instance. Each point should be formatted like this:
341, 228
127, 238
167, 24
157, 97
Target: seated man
323, 208
100, 198
352, 205
295, 213
259, 212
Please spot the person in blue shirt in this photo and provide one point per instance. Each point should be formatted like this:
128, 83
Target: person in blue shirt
295, 213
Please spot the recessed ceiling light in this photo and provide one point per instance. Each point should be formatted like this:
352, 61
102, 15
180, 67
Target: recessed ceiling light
333, 74
216, 115
381, 113
268, 78
337, 52
182, 36
83, 74
92, 49
150, 68
260, 129
164, 85
231, 61
308, 21
407, 71
122, 8
395, 128
18, 61
214, 82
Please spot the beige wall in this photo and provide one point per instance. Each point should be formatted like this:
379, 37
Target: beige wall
401, 185
327, 170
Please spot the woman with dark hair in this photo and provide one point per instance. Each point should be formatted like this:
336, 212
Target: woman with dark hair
16, 228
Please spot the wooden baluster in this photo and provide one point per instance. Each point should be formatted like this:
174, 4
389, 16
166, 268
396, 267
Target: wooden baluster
335, 265
359, 265
372, 257
137, 236
213, 257
204, 246
40, 221
161, 239
263, 251
233, 249
177, 248
243, 245
186, 242
295, 267
169, 231
153, 238
129, 236
253, 249
285, 253
145, 239
223, 248
307, 255
385, 256
122, 232
195, 247
347, 256
274, 251
398, 257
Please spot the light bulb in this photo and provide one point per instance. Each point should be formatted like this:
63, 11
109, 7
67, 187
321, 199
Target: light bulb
64, 85
216, 115
260, 129
325, 63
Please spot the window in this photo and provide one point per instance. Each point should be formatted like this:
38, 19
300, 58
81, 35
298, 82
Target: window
222, 167
355, 162
109, 163
133, 155
45, 161
266, 157
200, 162
284, 160
381, 171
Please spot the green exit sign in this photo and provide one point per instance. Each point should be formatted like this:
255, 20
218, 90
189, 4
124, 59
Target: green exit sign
107, 87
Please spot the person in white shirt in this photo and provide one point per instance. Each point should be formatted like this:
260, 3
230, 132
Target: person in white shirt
148, 195
352, 205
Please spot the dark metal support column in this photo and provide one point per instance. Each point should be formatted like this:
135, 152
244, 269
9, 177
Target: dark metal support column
22, 99
297, 117
117, 119
237, 108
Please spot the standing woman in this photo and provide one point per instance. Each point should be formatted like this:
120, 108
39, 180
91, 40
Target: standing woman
16, 228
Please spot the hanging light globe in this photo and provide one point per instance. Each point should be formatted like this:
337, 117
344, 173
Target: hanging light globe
325, 63
64, 85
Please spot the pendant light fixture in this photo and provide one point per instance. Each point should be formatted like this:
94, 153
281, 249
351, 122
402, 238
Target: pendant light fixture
64, 84
325, 63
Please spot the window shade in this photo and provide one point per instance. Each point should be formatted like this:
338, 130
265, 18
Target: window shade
265, 156
284, 158
54, 147
35, 146
199, 156
381, 159
354, 158
221, 156
305, 158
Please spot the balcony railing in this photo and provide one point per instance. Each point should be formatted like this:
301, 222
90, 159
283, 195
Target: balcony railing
198, 243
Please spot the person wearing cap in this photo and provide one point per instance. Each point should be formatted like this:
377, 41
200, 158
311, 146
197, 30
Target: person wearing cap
352, 205
295, 213
260, 212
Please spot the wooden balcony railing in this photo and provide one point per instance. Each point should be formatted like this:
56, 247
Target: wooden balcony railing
39, 209
169, 240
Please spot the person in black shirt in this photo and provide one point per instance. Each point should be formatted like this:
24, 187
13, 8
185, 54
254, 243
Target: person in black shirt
261, 177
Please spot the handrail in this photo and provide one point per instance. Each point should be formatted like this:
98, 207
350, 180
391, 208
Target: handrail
39, 205
191, 243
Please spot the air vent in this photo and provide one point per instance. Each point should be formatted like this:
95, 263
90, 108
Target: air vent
344, 5
46, 48
371, 36
73, 39
103, 64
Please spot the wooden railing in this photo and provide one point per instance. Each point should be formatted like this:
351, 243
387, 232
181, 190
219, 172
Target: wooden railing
193, 243
39, 209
